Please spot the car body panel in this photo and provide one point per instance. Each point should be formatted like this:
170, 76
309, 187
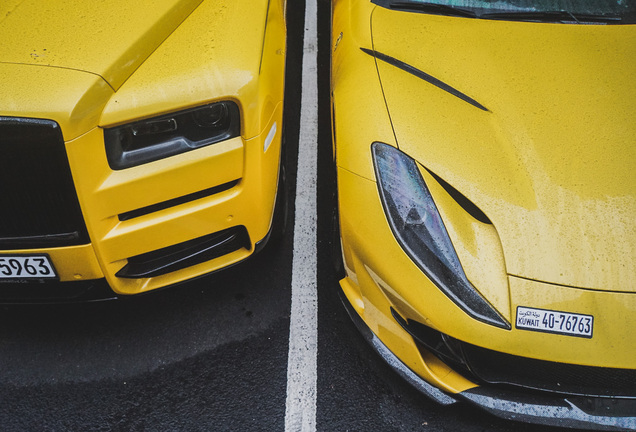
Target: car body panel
75, 102
200, 59
567, 216
489, 111
478, 248
109, 39
361, 109
612, 343
184, 54
372, 296
105, 194
400, 284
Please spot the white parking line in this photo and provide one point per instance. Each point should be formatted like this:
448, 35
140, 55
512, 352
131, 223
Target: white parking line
300, 412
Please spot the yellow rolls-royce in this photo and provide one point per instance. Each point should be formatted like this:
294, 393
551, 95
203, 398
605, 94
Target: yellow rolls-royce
140, 141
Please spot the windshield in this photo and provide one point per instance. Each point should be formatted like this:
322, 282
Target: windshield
566, 11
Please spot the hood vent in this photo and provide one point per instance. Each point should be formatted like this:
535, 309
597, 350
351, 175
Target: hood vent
426, 77
466, 204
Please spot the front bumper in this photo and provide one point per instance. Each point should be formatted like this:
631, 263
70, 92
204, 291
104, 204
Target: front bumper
381, 281
164, 213
565, 411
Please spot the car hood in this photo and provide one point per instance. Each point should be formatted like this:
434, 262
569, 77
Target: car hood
549, 156
112, 43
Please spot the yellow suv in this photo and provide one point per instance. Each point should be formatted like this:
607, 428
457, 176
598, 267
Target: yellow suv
140, 141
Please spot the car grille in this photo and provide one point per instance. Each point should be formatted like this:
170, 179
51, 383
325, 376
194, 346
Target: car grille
499, 369
38, 202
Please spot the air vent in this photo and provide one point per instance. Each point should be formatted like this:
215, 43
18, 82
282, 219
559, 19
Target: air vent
186, 254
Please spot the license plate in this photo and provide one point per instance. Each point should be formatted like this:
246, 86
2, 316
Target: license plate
547, 321
26, 267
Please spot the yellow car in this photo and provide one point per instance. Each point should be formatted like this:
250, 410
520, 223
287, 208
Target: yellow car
140, 141
486, 181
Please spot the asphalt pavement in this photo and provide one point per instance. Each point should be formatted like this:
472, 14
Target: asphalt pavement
212, 354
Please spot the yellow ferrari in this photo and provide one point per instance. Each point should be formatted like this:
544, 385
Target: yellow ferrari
140, 141
486, 181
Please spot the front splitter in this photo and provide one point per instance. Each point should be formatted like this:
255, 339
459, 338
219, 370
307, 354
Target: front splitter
594, 413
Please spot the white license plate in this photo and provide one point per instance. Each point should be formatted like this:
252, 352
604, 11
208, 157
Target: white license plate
26, 267
564, 323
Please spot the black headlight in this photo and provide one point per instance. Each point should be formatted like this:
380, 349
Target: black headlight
167, 135
420, 231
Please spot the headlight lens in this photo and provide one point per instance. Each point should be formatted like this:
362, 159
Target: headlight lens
167, 135
419, 229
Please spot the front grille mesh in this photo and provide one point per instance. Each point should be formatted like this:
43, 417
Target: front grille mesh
38, 202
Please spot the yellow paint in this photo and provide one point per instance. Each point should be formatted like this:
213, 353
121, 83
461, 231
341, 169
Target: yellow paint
74, 102
551, 163
118, 62
612, 344
360, 115
215, 53
111, 39
477, 246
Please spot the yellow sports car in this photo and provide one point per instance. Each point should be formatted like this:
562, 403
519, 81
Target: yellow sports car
486, 181
140, 141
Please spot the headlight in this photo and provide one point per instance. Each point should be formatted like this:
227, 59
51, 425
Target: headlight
419, 229
167, 135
